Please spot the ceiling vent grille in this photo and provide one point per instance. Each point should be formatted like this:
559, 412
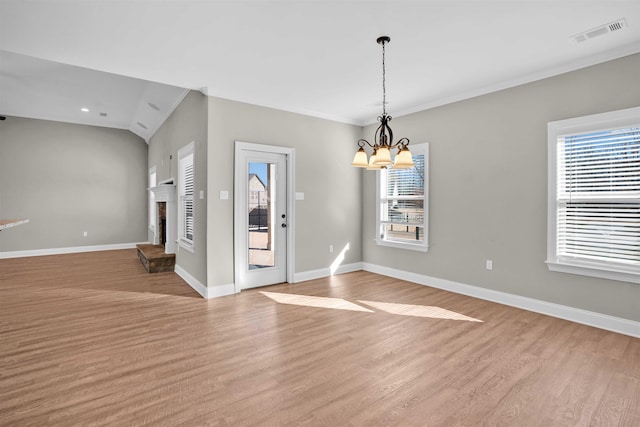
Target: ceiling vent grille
600, 31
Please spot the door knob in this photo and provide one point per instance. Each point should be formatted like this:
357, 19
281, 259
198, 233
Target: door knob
284, 225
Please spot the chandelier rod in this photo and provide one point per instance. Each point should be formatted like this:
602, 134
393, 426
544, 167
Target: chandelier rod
383, 41
384, 85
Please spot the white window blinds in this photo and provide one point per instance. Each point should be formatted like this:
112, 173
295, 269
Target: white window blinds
402, 207
186, 191
598, 196
403, 196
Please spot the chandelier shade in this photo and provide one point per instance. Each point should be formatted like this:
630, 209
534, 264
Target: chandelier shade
383, 138
372, 162
403, 160
384, 156
360, 159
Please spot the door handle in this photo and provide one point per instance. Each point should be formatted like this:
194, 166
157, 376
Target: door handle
284, 225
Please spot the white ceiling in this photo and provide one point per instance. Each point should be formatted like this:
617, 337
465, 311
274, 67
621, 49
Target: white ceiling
47, 90
313, 57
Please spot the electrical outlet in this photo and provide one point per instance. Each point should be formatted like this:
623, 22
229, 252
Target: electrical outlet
330, 249
489, 264
86, 233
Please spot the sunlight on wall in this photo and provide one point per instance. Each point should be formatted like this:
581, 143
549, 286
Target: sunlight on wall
336, 263
418, 311
310, 301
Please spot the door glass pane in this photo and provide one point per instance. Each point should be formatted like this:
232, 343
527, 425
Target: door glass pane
261, 196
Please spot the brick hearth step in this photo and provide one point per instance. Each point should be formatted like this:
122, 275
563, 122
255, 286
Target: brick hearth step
154, 259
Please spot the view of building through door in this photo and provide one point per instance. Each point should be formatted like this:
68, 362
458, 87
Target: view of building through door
261, 214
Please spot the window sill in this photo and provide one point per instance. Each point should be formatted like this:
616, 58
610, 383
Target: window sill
593, 270
188, 246
402, 245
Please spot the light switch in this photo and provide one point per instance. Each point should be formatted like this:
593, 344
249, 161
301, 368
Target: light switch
201, 194
224, 195
299, 196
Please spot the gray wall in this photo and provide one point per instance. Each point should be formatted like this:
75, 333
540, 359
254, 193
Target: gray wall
68, 179
187, 123
331, 211
488, 184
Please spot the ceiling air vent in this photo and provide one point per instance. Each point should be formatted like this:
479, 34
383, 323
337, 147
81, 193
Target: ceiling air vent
142, 125
600, 31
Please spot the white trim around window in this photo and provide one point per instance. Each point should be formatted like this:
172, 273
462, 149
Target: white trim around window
402, 204
186, 197
593, 207
152, 199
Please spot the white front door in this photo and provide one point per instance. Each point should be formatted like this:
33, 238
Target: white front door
261, 218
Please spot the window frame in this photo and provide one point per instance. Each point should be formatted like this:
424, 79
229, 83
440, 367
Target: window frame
153, 181
186, 152
579, 125
423, 246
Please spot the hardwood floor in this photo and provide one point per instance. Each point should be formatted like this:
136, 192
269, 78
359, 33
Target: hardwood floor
92, 339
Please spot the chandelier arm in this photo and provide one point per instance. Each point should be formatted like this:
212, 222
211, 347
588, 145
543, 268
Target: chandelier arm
403, 142
390, 141
361, 143
377, 138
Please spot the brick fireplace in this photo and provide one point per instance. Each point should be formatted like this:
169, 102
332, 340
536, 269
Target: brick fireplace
167, 224
159, 256
162, 223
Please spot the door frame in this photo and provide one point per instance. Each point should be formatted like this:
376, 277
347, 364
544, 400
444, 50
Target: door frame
239, 216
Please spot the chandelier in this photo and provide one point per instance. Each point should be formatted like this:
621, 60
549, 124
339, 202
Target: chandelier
383, 139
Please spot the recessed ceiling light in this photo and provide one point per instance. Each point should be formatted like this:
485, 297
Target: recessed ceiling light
103, 114
84, 110
154, 106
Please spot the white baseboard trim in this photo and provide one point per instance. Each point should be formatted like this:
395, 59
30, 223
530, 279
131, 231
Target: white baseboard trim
221, 290
325, 272
191, 281
229, 288
585, 317
204, 291
71, 250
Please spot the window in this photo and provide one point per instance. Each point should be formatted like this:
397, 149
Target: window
152, 199
185, 196
594, 196
402, 204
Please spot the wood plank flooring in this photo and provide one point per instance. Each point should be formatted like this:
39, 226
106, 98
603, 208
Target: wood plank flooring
92, 339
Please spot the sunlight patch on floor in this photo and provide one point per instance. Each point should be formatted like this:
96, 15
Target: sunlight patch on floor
310, 301
418, 311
